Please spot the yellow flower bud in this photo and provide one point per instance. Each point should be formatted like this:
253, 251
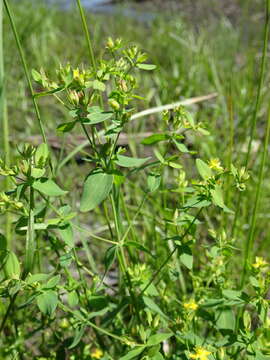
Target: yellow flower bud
114, 104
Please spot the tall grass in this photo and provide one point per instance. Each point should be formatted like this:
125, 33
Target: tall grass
25, 67
256, 107
123, 246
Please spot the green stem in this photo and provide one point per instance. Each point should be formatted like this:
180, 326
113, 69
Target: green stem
170, 255
250, 239
25, 67
30, 241
257, 104
89, 43
87, 35
10, 306
103, 331
4, 122
122, 258
134, 218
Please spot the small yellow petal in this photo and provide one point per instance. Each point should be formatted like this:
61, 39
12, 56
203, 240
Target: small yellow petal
97, 354
191, 305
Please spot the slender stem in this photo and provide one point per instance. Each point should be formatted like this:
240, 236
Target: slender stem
93, 235
25, 67
30, 244
122, 258
170, 255
4, 121
103, 331
134, 218
10, 306
87, 35
89, 43
250, 239
257, 103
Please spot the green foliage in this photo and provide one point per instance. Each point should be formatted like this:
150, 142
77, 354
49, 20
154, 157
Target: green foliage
135, 259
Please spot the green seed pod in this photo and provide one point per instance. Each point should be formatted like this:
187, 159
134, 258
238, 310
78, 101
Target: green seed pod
110, 43
156, 321
114, 104
74, 97
247, 320
12, 268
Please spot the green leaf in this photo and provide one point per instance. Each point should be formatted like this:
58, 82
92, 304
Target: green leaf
42, 153
36, 76
96, 188
98, 85
126, 161
133, 353
66, 127
159, 156
37, 278
181, 147
158, 338
203, 169
47, 302
12, 268
186, 256
225, 319
158, 356
66, 259
154, 307
53, 282
174, 165
146, 66
97, 302
232, 294
260, 356
3, 242
254, 282
98, 117
217, 196
48, 187
153, 181
154, 139
110, 256
37, 173
212, 303
138, 246
79, 332
73, 298
66, 233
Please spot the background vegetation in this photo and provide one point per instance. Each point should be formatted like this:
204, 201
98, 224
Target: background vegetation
209, 277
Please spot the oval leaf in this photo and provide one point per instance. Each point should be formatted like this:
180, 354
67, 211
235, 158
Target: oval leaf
154, 139
146, 66
204, 169
153, 181
12, 268
158, 338
133, 353
48, 187
47, 302
126, 161
98, 117
96, 188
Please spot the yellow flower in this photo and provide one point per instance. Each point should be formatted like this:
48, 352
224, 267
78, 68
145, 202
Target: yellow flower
76, 73
191, 305
259, 263
215, 165
97, 354
200, 354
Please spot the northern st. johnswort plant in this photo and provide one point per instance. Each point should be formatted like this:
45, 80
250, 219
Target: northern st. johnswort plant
136, 255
